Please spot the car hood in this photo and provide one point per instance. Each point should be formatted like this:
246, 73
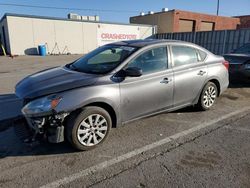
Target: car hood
52, 81
237, 58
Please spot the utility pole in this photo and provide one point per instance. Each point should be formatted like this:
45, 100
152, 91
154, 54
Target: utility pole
218, 7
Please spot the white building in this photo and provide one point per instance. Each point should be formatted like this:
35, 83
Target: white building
21, 34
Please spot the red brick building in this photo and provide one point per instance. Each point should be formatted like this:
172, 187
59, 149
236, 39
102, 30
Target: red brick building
184, 21
244, 22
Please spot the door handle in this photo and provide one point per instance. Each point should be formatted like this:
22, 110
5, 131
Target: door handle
201, 73
165, 81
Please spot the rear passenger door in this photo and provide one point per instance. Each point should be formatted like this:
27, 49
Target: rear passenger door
190, 73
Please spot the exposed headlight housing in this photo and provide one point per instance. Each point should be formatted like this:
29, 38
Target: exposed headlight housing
42, 106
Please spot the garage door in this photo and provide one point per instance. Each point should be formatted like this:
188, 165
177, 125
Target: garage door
186, 25
207, 26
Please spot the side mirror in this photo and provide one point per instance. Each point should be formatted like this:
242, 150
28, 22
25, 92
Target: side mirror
133, 72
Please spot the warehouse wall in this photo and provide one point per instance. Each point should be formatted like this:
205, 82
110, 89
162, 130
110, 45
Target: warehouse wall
146, 32
219, 22
3, 24
43, 32
61, 35
89, 36
182, 21
164, 21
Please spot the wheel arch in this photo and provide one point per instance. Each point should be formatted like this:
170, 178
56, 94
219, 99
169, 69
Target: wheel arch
213, 80
217, 83
108, 108
105, 106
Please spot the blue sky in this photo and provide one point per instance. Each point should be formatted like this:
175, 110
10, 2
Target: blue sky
227, 7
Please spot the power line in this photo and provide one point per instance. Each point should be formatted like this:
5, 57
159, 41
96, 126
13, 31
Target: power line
64, 8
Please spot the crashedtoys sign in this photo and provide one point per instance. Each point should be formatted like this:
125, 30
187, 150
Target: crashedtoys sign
107, 33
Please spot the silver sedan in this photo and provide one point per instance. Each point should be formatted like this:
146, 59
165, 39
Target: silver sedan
118, 83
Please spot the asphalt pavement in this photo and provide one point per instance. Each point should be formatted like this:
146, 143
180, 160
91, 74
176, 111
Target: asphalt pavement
12, 70
219, 159
185, 148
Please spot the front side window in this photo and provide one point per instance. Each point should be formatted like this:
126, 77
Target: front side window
151, 61
103, 59
184, 55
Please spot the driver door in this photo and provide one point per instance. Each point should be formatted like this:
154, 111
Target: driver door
151, 92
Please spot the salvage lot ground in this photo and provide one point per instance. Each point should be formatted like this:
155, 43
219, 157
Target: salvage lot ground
207, 149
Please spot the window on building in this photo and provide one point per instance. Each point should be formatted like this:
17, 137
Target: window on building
207, 26
186, 25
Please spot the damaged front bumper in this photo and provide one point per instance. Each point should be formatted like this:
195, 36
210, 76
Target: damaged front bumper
50, 126
43, 119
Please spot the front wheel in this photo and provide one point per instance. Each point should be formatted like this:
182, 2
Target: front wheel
208, 96
88, 129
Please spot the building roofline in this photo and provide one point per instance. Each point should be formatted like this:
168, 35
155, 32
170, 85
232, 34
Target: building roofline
176, 10
4, 16
65, 19
242, 16
153, 14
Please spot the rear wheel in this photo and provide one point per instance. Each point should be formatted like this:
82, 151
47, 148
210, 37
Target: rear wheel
208, 96
88, 129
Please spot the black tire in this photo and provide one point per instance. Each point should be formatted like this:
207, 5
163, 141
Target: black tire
74, 125
202, 103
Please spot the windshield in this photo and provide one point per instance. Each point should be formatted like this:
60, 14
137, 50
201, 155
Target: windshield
103, 59
245, 49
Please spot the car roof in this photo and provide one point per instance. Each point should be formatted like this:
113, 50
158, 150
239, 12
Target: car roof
145, 42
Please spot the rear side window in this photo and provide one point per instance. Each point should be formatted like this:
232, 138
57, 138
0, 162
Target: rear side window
202, 55
184, 55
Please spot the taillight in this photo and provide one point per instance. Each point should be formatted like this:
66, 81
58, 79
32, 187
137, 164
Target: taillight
226, 64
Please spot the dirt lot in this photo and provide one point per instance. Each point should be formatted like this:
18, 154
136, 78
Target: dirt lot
186, 148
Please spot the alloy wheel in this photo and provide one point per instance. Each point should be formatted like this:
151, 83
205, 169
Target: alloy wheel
209, 96
92, 130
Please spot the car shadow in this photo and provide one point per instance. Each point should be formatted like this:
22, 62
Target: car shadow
239, 84
189, 109
10, 142
238, 81
12, 146
10, 109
